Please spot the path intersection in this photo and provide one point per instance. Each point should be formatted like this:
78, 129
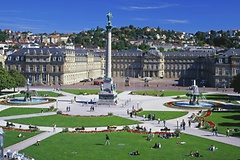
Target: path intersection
146, 102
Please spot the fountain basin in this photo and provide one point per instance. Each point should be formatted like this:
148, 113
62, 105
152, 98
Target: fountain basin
186, 104
34, 100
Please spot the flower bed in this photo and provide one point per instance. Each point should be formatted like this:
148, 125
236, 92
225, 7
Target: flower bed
17, 129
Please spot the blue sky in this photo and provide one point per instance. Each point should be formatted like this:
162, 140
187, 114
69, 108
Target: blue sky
66, 16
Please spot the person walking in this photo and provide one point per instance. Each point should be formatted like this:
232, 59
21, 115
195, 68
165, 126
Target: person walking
189, 123
54, 127
164, 122
183, 124
158, 120
227, 132
107, 142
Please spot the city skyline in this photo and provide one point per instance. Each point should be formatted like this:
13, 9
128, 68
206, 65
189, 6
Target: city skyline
75, 16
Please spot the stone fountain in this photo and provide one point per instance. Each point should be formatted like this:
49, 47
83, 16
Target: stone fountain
194, 94
28, 99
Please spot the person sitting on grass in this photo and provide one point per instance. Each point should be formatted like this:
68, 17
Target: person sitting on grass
149, 137
134, 153
191, 154
157, 145
197, 154
181, 142
212, 148
20, 135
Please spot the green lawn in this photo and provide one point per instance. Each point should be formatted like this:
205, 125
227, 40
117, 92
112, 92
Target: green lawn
91, 146
222, 98
41, 93
159, 93
20, 111
11, 136
73, 121
163, 114
224, 120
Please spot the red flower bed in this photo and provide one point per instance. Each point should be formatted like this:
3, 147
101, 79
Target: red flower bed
208, 113
212, 124
17, 129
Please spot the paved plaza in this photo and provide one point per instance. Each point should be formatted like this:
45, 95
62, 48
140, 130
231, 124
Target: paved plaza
125, 102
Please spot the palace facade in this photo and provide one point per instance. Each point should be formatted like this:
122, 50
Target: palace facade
69, 66
56, 66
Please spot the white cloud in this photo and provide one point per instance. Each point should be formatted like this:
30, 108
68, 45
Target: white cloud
177, 21
140, 19
148, 7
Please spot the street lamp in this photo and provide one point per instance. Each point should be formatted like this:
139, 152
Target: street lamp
1, 143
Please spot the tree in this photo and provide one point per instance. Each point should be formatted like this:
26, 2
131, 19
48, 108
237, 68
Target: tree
235, 83
20, 80
6, 81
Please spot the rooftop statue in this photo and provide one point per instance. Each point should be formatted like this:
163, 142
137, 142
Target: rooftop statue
109, 17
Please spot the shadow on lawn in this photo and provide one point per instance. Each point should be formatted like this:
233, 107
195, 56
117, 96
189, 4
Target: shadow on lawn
99, 144
228, 124
234, 117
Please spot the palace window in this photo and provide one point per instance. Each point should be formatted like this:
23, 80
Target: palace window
59, 68
30, 68
53, 68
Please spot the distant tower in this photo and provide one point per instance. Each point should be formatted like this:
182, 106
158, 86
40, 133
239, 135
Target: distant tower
108, 93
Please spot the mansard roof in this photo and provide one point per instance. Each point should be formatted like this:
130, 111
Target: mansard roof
231, 52
39, 51
182, 54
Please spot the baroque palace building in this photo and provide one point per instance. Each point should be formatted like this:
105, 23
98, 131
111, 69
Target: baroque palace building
56, 66
69, 66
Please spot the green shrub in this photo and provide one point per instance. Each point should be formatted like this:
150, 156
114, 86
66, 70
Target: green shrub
110, 114
59, 112
125, 128
65, 130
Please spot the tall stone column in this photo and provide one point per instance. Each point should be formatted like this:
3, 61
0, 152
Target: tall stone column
109, 47
108, 94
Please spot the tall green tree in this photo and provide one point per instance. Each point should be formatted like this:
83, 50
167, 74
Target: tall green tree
6, 81
19, 79
235, 83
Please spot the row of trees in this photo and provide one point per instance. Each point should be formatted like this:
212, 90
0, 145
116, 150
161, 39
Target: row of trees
11, 79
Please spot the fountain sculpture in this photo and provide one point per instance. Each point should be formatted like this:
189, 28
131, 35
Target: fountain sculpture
194, 96
28, 99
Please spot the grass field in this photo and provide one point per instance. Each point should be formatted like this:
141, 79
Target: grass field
42, 93
91, 146
21, 111
160, 93
163, 114
75, 121
224, 120
11, 136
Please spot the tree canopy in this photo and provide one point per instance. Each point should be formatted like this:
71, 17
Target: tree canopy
19, 79
6, 81
235, 83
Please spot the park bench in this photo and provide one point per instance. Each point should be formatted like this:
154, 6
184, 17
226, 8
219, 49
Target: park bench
165, 130
79, 128
112, 128
10, 124
33, 128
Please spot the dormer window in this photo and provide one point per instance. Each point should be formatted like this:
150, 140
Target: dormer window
220, 61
